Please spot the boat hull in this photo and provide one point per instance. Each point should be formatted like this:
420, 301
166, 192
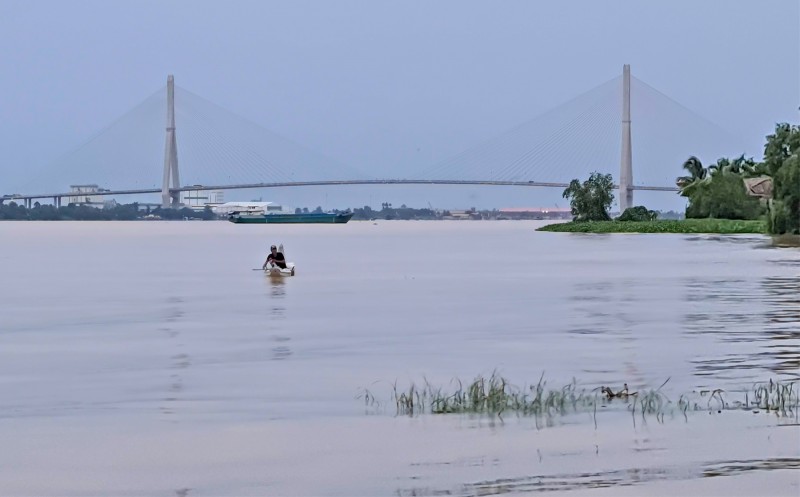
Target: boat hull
275, 272
309, 218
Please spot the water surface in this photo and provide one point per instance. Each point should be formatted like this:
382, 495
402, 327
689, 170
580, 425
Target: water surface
152, 348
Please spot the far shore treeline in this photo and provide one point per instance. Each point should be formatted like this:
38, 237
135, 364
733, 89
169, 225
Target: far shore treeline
718, 197
121, 212
131, 212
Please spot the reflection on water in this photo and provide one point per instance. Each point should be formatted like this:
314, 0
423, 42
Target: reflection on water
179, 360
280, 349
783, 319
604, 308
759, 319
614, 478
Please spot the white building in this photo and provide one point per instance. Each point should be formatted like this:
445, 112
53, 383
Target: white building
250, 207
199, 199
83, 195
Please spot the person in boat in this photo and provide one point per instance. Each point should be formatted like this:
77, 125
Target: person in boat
275, 257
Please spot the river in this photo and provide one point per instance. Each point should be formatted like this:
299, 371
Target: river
149, 358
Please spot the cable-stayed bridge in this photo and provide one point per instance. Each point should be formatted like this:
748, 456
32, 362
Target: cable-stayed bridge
609, 129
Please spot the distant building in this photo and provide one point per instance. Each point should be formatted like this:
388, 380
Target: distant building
252, 207
462, 215
82, 195
143, 206
199, 199
535, 213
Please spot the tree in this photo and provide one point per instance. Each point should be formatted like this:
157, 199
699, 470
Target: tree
723, 196
697, 174
742, 165
781, 162
591, 199
780, 146
785, 211
719, 191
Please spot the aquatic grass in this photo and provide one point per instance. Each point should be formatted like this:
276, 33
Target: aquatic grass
495, 396
776, 397
492, 395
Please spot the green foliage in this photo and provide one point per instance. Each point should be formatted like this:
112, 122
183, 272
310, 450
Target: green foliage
718, 191
740, 165
590, 200
781, 145
638, 213
697, 173
781, 161
723, 196
721, 226
785, 209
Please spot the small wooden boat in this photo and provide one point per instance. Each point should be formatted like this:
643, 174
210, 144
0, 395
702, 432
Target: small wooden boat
275, 271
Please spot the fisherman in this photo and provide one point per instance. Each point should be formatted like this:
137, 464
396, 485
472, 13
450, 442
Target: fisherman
275, 258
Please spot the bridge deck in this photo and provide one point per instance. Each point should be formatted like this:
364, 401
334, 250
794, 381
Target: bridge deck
241, 186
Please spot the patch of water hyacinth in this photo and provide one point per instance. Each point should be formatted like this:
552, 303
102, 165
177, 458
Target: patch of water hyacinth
495, 396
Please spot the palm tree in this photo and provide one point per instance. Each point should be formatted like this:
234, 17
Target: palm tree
697, 173
739, 165
723, 165
743, 166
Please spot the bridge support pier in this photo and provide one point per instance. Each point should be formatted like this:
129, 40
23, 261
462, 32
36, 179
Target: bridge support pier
626, 160
168, 197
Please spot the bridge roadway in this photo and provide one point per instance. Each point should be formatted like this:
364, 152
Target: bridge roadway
241, 186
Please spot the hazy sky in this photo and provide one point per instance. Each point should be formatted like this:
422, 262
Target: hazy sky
380, 85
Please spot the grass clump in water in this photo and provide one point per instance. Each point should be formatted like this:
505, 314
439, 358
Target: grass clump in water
495, 395
774, 396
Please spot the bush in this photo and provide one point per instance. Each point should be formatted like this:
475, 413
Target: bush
638, 213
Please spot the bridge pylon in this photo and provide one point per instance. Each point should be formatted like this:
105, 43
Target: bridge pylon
626, 159
170, 198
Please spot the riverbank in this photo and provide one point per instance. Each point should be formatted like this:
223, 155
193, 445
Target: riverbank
720, 226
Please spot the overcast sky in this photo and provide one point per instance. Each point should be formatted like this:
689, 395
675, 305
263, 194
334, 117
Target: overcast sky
380, 85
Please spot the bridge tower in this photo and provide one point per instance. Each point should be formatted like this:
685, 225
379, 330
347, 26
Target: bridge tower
626, 160
169, 198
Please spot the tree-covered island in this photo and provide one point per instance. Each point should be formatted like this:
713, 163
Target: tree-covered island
735, 195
